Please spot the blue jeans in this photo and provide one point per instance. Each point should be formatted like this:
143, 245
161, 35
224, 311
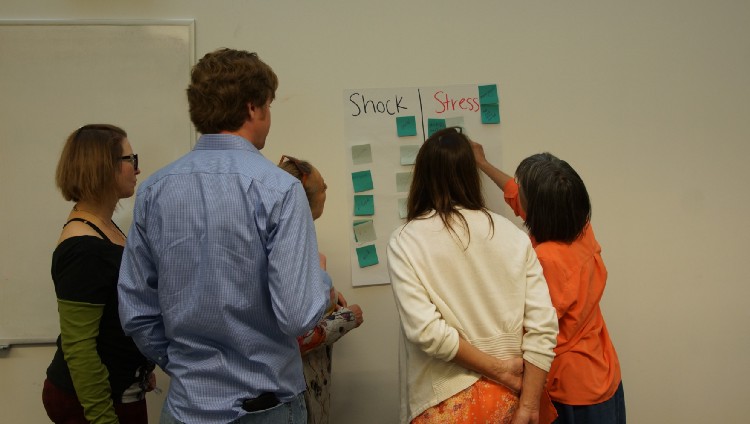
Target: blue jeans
293, 412
611, 411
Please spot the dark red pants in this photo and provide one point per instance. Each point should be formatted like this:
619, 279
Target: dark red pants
64, 408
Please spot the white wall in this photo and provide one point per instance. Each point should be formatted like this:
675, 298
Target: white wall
644, 98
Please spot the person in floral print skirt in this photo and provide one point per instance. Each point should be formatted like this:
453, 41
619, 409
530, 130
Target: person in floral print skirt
316, 346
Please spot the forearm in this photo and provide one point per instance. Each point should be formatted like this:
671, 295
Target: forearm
496, 175
534, 379
339, 323
79, 328
328, 331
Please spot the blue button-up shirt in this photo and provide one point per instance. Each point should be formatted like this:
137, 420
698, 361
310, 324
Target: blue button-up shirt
220, 275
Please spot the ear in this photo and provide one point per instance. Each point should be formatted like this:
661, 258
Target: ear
251, 111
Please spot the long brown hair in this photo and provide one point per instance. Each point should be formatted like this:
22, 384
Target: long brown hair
445, 179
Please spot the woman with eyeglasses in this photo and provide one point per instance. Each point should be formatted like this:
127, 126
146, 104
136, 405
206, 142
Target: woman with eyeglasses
476, 317
97, 374
316, 346
585, 382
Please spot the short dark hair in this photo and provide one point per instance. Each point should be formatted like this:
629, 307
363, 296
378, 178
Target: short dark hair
445, 179
89, 163
557, 203
222, 83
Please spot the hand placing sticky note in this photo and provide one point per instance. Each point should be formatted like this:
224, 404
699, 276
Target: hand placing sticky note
406, 126
409, 154
362, 181
361, 154
434, 125
364, 204
367, 256
364, 231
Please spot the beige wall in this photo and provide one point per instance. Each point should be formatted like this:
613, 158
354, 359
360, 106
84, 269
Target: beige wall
23, 372
646, 99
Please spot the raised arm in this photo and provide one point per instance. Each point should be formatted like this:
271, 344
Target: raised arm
497, 176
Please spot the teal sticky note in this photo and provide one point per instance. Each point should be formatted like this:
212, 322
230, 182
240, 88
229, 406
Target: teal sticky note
364, 204
406, 126
402, 208
488, 95
490, 114
409, 154
403, 181
434, 125
364, 231
361, 154
362, 181
367, 256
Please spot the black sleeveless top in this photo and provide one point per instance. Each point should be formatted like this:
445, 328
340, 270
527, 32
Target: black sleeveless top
85, 269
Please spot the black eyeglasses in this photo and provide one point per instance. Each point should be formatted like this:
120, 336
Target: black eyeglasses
132, 159
297, 164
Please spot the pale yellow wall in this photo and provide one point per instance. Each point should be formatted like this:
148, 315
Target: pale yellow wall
646, 99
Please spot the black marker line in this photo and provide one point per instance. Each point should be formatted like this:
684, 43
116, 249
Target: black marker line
421, 113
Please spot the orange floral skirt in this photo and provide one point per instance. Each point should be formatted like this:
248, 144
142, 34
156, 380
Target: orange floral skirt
483, 402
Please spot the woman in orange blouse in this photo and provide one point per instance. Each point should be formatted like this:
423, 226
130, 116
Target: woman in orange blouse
584, 381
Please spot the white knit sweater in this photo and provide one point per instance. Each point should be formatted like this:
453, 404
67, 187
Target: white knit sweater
488, 292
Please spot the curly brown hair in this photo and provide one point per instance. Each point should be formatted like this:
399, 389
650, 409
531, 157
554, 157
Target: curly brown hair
222, 83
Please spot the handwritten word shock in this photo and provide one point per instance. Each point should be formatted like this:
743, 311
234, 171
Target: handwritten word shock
448, 104
364, 105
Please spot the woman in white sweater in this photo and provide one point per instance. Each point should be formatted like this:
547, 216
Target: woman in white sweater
472, 299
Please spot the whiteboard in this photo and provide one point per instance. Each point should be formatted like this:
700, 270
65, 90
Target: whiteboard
56, 76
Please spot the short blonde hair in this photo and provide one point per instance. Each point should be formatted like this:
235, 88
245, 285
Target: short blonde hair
90, 162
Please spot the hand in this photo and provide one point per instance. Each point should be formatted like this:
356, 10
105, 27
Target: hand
509, 373
150, 382
333, 295
478, 153
525, 415
322, 258
358, 318
341, 301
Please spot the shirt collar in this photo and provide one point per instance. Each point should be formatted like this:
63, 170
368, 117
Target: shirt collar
224, 142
